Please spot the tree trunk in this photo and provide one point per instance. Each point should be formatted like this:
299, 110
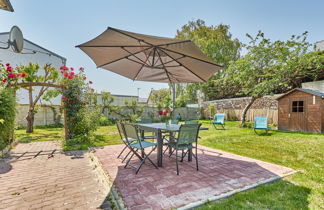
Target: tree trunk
30, 114
245, 110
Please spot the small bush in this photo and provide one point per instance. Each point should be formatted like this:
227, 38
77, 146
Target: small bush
106, 122
7, 117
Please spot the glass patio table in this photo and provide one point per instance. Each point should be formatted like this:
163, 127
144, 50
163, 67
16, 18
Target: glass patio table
158, 129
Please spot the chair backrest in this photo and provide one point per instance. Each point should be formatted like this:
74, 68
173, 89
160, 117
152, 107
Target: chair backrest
260, 122
130, 132
175, 122
120, 128
191, 122
188, 133
145, 120
219, 117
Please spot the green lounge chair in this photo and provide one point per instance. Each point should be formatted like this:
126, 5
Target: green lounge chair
261, 123
188, 135
131, 132
219, 119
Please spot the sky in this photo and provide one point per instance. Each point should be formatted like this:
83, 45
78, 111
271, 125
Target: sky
60, 25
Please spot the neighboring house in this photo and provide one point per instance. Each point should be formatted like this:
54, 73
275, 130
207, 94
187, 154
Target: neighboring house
31, 53
319, 45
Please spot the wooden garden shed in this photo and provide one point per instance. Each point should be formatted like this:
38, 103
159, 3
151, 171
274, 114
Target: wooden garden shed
301, 110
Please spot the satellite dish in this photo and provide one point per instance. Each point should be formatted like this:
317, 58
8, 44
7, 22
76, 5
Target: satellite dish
16, 39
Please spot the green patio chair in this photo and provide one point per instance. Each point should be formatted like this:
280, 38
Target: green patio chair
147, 121
219, 119
187, 139
122, 137
165, 136
131, 132
261, 123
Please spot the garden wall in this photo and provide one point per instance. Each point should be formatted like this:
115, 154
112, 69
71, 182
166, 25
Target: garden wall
233, 107
45, 114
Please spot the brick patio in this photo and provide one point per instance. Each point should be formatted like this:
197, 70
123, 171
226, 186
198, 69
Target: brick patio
219, 174
58, 181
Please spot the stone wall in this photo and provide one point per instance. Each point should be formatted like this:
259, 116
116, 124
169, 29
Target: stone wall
266, 106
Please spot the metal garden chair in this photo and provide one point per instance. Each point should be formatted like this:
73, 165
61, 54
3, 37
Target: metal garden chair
123, 138
147, 121
219, 119
261, 123
188, 135
168, 135
131, 132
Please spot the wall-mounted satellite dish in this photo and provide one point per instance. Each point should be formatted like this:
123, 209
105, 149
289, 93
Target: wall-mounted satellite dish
16, 39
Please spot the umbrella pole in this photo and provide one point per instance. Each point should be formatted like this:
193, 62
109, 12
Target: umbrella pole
173, 99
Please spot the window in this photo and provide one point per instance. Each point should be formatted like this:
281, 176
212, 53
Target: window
298, 106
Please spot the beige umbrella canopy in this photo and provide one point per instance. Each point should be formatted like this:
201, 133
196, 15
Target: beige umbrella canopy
149, 58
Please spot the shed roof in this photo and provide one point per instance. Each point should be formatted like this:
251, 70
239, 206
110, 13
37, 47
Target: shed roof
312, 92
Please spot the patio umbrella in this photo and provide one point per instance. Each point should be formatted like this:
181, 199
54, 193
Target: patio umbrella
149, 58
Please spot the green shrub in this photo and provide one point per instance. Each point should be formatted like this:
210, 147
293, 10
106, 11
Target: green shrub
247, 125
105, 122
7, 117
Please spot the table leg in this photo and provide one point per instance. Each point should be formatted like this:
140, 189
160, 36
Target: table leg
190, 155
159, 148
171, 139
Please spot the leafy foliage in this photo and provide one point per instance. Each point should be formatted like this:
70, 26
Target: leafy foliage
135, 111
217, 43
274, 67
82, 116
7, 116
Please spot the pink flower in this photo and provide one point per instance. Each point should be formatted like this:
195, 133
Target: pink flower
4, 80
7, 64
72, 69
161, 112
23, 74
11, 75
90, 82
64, 98
64, 68
84, 77
9, 69
81, 69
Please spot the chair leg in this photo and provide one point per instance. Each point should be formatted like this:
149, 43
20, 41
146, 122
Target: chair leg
146, 156
126, 156
121, 152
182, 156
177, 162
129, 160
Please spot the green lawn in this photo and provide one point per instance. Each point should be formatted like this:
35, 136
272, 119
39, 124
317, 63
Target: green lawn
303, 152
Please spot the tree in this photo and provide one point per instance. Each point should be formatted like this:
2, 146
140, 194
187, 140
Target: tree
135, 110
107, 107
270, 67
217, 43
159, 96
50, 76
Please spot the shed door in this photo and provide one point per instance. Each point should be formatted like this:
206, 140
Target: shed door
297, 114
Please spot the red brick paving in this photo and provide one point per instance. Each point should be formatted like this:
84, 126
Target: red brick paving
219, 172
64, 181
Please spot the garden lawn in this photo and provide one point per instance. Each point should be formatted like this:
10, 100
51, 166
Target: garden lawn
300, 151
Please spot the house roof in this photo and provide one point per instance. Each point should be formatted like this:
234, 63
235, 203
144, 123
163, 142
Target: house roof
312, 92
